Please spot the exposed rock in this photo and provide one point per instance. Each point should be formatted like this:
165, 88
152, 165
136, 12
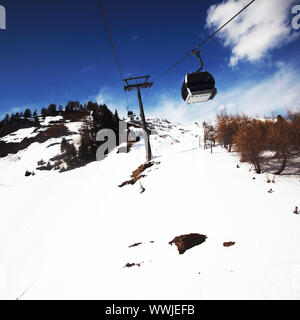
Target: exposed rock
228, 244
138, 244
129, 265
28, 174
142, 189
188, 241
41, 162
137, 174
135, 244
49, 167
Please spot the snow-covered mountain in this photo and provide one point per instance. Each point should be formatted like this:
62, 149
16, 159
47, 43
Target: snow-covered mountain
78, 235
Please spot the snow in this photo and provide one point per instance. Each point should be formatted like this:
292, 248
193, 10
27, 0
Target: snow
14, 166
46, 121
74, 128
19, 135
67, 235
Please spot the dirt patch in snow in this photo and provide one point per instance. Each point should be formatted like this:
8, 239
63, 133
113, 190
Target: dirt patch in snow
129, 265
138, 244
135, 244
137, 174
228, 244
28, 174
188, 241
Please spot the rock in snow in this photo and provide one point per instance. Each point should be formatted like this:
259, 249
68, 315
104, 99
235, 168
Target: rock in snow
228, 244
188, 241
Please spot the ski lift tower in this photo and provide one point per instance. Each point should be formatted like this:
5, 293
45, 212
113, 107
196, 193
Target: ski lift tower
137, 83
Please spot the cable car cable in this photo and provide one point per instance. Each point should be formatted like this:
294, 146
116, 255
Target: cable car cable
113, 48
224, 25
172, 67
203, 42
179, 61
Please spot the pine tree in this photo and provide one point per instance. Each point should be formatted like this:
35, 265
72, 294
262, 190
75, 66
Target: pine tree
36, 121
63, 145
27, 113
87, 141
44, 112
6, 119
72, 106
51, 110
92, 106
101, 118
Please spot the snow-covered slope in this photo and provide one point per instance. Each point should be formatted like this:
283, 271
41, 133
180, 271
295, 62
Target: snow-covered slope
67, 235
14, 166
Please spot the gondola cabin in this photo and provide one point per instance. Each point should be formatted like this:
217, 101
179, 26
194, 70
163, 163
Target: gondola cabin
198, 87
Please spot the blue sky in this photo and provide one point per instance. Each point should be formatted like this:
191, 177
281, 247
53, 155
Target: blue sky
58, 50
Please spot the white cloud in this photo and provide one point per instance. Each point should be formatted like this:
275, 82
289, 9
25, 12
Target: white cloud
274, 93
277, 92
177, 111
112, 98
262, 27
169, 108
